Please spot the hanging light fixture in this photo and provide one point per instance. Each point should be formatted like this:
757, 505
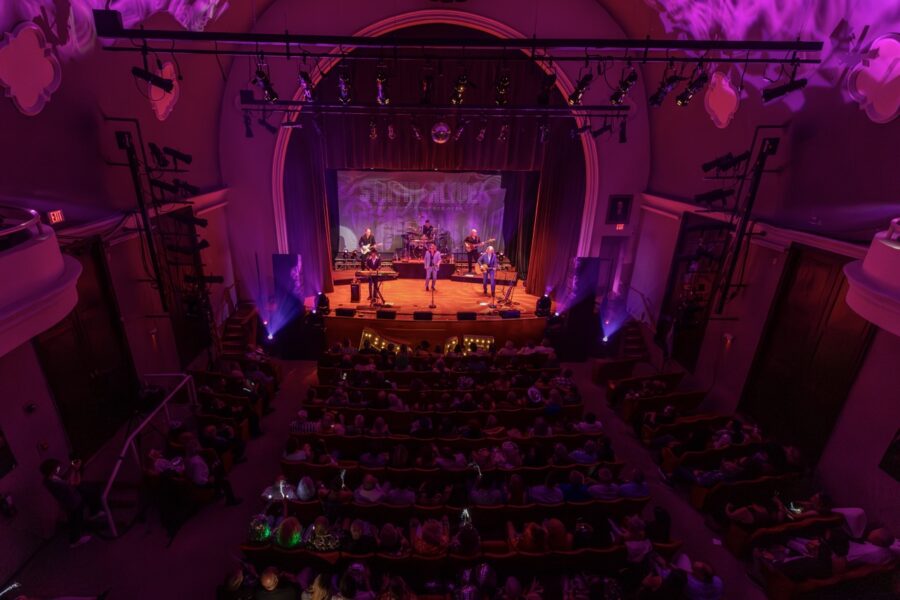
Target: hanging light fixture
426, 89
668, 83
504, 133
777, 91
577, 131
459, 89
391, 132
460, 130
304, 81
482, 132
416, 131
581, 86
625, 84
373, 129
501, 88
544, 132
600, 131
548, 82
381, 86
262, 81
345, 86
694, 85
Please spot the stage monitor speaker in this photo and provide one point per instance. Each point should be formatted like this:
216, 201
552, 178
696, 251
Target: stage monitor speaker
386, 314
422, 315
354, 292
511, 313
345, 312
465, 316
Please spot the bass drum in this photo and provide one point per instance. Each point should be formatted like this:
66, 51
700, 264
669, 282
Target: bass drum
445, 243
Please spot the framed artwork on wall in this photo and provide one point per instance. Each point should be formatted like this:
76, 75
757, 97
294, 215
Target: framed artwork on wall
618, 211
890, 462
7, 460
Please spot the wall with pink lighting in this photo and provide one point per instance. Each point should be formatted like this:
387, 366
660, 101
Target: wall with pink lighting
22, 384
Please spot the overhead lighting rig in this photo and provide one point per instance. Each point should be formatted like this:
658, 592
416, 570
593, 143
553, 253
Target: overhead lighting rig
262, 81
625, 84
694, 86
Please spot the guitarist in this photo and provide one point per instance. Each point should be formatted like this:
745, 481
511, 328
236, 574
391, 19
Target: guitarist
366, 243
472, 242
489, 263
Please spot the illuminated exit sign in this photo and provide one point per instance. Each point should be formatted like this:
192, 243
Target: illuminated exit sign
55, 216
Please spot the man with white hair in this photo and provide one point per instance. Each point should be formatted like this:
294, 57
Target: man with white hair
489, 263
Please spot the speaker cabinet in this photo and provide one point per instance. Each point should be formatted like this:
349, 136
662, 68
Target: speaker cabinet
465, 316
510, 314
422, 315
345, 312
386, 314
354, 292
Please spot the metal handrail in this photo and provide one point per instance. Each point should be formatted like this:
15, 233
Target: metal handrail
186, 380
28, 216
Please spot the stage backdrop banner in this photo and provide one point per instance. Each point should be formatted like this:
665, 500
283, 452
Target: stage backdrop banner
394, 202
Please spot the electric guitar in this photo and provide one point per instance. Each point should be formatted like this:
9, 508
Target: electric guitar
484, 268
367, 247
470, 247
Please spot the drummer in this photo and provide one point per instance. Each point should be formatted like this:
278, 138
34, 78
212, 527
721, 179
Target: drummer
427, 231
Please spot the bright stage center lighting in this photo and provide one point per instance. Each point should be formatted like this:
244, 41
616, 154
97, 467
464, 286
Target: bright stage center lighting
625, 84
581, 87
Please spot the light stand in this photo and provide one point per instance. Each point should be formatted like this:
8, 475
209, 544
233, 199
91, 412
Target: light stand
432, 305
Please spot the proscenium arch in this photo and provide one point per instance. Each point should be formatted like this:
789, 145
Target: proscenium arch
441, 17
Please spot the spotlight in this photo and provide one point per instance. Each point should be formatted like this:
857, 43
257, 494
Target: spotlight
262, 81
482, 131
459, 89
725, 162
625, 84
264, 121
158, 157
504, 133
708, 198
771, 93
547, 85
623, 133
373, 130
391, 132
417, 133
460, 130
426, 89
270, 337
665, 86
166, 85
693, 86
323, 306
542, 308
381, 86
544, 131
580, 131
501, 89
605, 338
178, 156
345, 87
164, 186
248, 126
605, 129
581, 87
306, 86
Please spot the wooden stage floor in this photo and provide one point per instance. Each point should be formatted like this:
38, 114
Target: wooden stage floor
407, 296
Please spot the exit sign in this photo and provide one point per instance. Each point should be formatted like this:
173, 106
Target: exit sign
55, 216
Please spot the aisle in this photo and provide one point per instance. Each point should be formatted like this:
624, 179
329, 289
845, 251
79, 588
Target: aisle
138, 566
687, 523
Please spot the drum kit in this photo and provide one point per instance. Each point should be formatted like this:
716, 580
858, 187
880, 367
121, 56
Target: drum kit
415, 244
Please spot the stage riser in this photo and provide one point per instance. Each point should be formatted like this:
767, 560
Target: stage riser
520, 331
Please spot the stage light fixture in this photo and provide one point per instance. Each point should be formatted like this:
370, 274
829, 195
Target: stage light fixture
304, 81
459, 89
270, 337
188, 250
665, 86
373, 130
426, 89
187, 188
264, 122
262, 81
576, 131
547, 84
323, 306
581, 86
345, 86
725, 162
164, 186
623, 133
542, 307
381, 86
708, 198
248, 126
188, 219
694, 85
501, 88
178, 156
158, 157
605, 129
460, 130
625, 84
504, 133
777, 91
166, 85
482, 132
605, 338
544, 132
416, 131
391, 132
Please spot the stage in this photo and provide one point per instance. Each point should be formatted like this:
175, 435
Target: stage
404, 297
